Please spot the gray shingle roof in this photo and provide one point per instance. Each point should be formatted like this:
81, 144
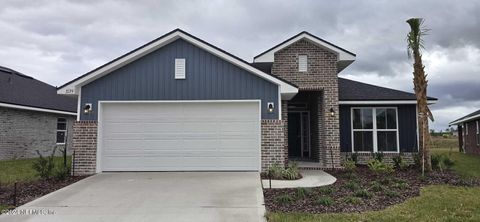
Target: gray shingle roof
350, 90
19, 89
467, 117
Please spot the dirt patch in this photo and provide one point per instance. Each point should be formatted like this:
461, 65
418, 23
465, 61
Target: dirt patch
357, 192
29, 191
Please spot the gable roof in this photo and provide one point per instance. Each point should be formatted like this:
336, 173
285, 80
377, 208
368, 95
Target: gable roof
354, 92
24, 92
288, 90
344, 57
471, 116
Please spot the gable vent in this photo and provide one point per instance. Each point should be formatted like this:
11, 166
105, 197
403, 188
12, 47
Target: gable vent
179, 68
302, 63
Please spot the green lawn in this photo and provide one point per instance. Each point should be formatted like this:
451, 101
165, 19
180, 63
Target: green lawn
20, 170
436, 203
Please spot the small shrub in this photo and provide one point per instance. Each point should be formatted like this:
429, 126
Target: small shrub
327, 190
399, 162
350, 166
352, 200
378, 156
386, 181
61, 173
401, 186
44, 165
397, 180
275, 172
291, 172
417, 159
441, 162
375, 186
353, 157
379, 167
284, 199
363, 194
325, 201
352, 185
390, 193
301, 192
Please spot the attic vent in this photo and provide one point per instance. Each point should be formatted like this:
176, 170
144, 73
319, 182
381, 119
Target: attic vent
302, 63
180, 68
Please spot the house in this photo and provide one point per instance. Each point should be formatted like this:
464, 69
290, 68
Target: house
32, 116
469, 133
179, 103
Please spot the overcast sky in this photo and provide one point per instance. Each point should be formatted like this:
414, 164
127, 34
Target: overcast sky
56, 41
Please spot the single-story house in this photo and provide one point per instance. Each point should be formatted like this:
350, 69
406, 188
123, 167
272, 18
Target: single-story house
179, 103
469, 133
33, 117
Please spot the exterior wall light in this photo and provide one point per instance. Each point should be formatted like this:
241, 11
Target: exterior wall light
332, 112
270, 107
87, 108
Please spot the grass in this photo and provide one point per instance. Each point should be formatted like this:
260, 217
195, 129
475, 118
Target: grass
436, 203
21, 170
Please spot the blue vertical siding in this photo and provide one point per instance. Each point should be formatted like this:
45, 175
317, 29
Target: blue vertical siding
407, 127
208, 77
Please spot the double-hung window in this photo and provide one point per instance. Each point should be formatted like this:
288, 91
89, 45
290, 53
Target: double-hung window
61, 130
374, 129
478, 134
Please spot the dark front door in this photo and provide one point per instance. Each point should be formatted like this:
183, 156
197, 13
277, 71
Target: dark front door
298, 135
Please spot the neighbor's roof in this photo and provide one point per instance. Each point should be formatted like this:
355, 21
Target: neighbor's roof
354, 91
471, 116
21, 91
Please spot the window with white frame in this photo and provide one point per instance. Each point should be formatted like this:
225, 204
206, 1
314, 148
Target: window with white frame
302, 63
374, 129
478, 134
61, 130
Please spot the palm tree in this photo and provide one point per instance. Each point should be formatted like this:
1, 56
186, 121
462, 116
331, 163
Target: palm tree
420, 83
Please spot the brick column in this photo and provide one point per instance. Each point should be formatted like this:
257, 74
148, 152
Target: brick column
329, 128
285, 129
272, 144
85, 147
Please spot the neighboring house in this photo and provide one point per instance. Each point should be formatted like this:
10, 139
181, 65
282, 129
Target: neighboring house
32, 116
179, 103
469, 132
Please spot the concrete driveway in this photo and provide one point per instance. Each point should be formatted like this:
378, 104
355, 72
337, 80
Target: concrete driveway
155, 196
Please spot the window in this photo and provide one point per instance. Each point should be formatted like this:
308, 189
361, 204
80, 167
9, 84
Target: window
179, 68
302, 63
61, 130
374, 130
478, 135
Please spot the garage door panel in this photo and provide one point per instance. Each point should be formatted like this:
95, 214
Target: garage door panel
180, 136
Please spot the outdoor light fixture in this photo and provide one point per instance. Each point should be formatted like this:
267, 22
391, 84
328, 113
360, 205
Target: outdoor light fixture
87, 108
270, 107
332, 112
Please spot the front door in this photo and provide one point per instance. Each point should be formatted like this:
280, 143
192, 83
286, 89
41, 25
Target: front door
298, 135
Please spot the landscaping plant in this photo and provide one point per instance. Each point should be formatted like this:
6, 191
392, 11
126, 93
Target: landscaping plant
44, 166
379, 167
399, 162
415, 45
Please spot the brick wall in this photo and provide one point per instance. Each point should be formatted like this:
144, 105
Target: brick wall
22, 132
273, 143
85, 146
471, 145
285, 130
321, 78
363, 158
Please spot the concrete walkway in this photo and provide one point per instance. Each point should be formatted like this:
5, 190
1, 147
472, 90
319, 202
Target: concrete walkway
311, 178
155, 196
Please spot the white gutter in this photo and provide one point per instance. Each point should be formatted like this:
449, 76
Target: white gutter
36, 109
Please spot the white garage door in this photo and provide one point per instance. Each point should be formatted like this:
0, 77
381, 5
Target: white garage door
179, 136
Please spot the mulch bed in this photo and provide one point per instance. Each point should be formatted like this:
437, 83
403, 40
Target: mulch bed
28, 191
342, 197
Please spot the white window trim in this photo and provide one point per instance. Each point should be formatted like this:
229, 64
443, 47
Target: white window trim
306, 63
180, 72
466, 129
374, 130
65, 131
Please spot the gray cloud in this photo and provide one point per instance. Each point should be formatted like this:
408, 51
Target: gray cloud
55, 41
